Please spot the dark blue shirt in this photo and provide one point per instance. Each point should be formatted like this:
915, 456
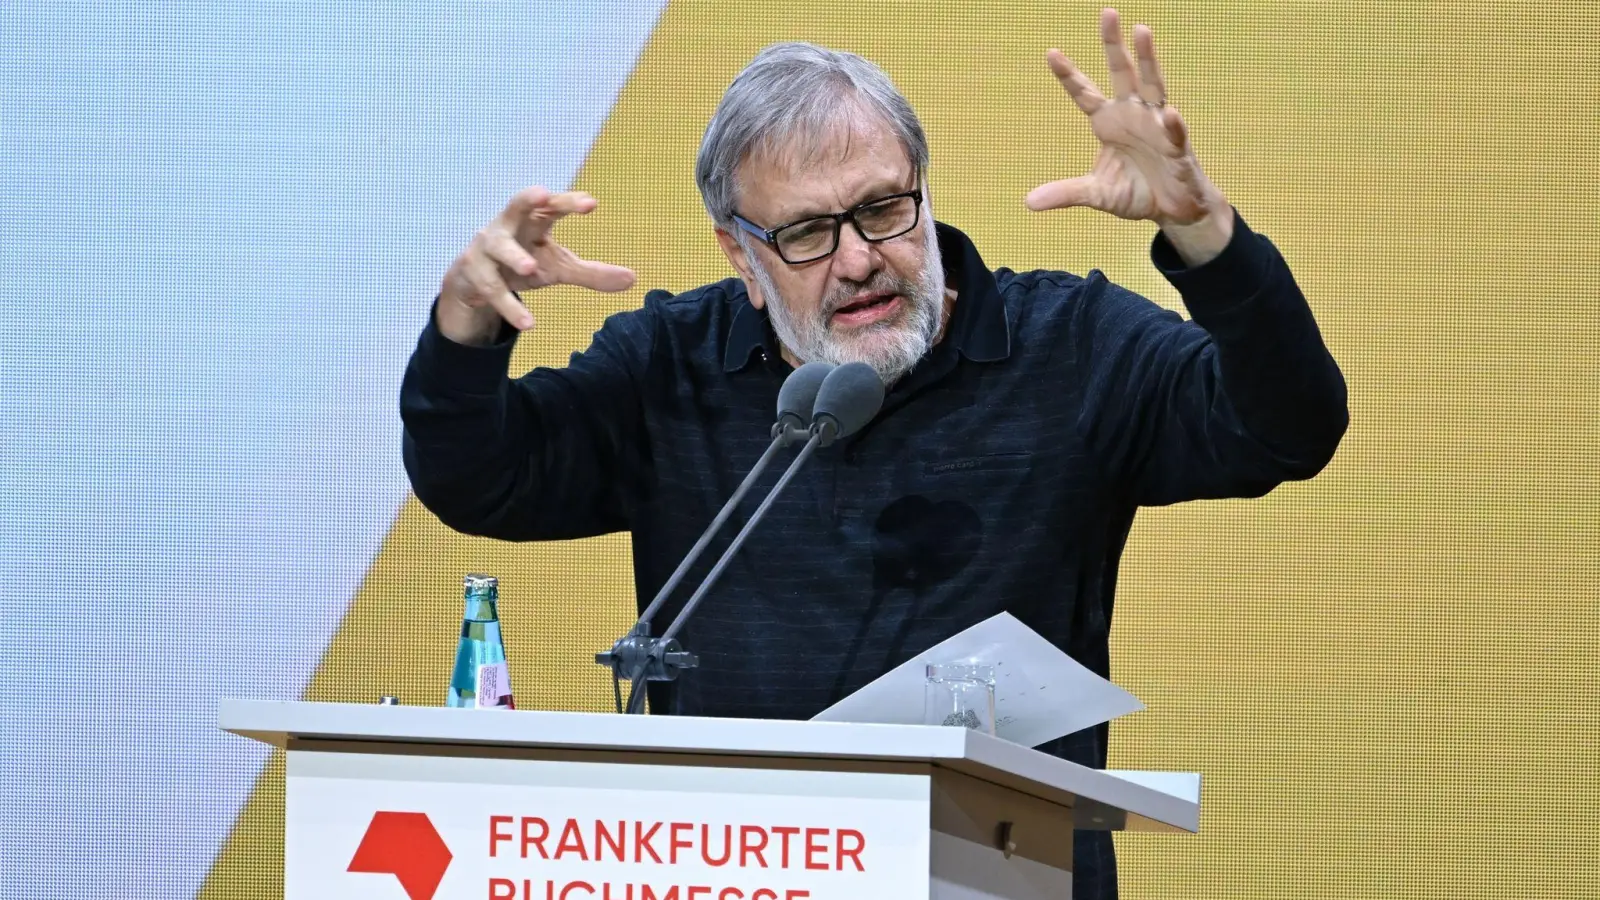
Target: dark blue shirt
1003, 473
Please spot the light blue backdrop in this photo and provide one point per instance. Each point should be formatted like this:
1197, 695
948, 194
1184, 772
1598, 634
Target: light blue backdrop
220, 228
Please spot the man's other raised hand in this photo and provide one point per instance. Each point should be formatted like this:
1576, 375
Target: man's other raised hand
1146, 167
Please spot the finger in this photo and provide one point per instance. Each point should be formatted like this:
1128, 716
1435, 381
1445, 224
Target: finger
1152, 86
524, 203
1081, 191
1082, 91
537, 224
1177, 131
600, 276
483, 275
565, 204
504, 249
1124, 80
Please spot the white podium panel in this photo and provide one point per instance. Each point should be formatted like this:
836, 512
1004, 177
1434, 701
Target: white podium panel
368, 825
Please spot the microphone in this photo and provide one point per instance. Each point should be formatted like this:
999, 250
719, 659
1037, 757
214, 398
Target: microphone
642, 656
849, 397
797, 397
847, 400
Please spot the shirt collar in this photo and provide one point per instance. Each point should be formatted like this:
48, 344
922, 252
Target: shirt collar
748, 334
977, 326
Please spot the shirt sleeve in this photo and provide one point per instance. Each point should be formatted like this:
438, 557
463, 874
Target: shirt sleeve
1231, 404
554, 454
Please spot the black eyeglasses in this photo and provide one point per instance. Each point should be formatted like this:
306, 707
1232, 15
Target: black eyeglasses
812, 239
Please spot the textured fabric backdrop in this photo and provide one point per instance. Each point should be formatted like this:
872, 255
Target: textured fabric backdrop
222, 229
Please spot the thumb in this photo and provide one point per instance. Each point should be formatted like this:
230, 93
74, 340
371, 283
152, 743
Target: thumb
1177, 131
1080, 191
599, 276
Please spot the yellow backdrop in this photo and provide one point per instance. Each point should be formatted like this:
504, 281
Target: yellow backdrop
1388, 675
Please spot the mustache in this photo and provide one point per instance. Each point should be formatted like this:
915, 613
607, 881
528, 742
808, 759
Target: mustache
880, 283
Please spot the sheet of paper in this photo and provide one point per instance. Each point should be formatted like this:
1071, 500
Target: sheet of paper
1040, 692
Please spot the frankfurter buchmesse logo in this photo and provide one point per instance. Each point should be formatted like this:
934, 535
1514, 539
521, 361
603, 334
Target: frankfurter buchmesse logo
407, 846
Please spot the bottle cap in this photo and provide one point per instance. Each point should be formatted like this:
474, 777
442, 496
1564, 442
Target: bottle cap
480, 587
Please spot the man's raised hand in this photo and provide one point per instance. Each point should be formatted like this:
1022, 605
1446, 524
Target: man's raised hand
516, 253
1146, 168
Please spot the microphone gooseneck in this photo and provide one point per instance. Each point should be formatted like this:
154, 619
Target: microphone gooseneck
817, 400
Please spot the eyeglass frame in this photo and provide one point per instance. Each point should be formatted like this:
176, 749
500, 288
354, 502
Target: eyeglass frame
769, 236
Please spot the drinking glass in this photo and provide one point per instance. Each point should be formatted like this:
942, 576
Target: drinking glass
960, 694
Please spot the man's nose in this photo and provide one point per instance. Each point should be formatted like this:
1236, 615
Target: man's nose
856, 258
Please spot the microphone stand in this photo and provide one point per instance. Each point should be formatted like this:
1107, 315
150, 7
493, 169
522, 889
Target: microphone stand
660, 658
659, 655
841, 400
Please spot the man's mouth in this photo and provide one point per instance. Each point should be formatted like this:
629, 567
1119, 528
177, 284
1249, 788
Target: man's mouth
866, 309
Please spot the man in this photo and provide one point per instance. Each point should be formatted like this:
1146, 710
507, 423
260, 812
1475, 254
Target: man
1029, 415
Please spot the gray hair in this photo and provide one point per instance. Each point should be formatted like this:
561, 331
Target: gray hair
795, 92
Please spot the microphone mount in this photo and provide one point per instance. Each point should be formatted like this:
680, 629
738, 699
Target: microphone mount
638, 656
819, 402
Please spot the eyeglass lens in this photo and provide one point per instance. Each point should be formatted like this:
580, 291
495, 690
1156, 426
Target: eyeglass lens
816, 238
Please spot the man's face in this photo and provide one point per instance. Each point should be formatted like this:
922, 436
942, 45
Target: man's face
880, 303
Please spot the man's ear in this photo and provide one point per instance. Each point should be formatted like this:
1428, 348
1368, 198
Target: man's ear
741, 264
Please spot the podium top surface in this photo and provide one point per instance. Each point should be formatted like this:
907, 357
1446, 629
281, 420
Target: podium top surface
1161, 801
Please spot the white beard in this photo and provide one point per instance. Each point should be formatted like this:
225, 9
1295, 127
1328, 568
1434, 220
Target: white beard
892, 348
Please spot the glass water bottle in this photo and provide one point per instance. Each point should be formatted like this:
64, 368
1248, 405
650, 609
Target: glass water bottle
480, 679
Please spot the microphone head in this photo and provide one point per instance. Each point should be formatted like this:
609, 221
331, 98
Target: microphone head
799, 394
848, 399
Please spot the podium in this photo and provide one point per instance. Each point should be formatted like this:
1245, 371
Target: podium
429, 803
